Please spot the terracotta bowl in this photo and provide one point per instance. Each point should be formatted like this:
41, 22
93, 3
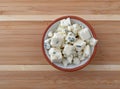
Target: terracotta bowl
52, 26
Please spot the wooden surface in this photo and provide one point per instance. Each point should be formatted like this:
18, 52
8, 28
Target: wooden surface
22, 63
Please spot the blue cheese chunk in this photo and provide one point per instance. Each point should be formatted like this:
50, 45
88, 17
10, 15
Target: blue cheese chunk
47, 43
68, 50
84, 34
82, 58
86, 52
80, 53
57, 39
79, 45
93, 41
70, 58
65, 22
65, 62
70, 38
76, 61
76, 28
55, 55
70, 28
50, 34
61, 29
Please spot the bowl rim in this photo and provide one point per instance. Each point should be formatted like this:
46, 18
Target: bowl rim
78, 67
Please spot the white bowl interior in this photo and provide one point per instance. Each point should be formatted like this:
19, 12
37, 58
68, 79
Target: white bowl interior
52, 28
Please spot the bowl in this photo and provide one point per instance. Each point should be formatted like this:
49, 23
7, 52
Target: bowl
70, 68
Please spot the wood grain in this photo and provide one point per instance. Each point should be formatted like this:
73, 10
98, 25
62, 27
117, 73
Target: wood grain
25, 7
20, 42
55, 79
50, 68
53, 17
64, 84
22, 63
59, 75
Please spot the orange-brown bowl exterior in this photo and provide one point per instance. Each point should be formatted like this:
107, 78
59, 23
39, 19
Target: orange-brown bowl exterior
79, 67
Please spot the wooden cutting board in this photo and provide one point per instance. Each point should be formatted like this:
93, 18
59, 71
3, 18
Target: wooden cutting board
22, 63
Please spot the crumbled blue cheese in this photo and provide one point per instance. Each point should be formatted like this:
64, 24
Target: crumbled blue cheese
50, 34
70, 38
65, 22
65, 62
79, 45
68, 50
76, 28
84, 34
70, 28
70, 58
76, 61
93, 41
70, 43
57, 39
86, 52
47, 43
55, 55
